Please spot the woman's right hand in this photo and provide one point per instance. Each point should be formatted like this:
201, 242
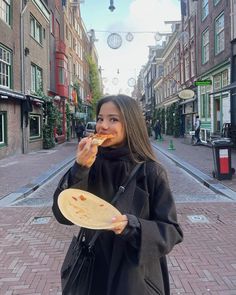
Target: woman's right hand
86, 152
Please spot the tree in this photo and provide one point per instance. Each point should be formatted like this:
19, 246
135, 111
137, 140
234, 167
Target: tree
94, 83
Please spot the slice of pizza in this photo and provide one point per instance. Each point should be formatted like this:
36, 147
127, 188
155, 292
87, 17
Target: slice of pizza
98, 139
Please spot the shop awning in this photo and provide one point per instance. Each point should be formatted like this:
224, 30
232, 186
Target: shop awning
224, 89
7, 93
187, 101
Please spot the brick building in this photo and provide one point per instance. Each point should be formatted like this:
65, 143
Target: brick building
213, 51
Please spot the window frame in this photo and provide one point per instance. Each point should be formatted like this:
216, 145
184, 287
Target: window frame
39, 127
5, 12
205, 46
35, 84
204, 9
36, 30
5, 64
216, 2
222, 31
3, 125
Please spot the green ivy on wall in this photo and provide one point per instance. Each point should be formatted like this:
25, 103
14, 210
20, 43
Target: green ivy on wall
94, 84
162, 119
50, 113
173, 120
176, 123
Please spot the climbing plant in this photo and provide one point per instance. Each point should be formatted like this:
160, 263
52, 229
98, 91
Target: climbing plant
50, 113
176, 122
94, 83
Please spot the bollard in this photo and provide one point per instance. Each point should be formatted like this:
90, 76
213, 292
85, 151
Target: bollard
171, 145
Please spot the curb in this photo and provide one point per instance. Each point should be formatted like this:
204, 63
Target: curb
205, 179
27, 189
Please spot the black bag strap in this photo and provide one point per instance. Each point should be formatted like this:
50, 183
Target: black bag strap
118, 193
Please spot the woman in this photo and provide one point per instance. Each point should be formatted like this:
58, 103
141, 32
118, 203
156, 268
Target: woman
130, 258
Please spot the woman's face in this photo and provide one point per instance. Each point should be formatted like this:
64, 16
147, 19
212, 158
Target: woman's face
110, 121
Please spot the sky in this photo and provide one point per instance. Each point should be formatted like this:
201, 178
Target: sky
143, 18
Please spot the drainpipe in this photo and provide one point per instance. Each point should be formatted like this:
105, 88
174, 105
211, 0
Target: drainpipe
22, 60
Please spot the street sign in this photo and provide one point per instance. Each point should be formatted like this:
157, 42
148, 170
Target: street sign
202, 82
186, 94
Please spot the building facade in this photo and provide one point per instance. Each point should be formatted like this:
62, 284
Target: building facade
24, 37
213, 64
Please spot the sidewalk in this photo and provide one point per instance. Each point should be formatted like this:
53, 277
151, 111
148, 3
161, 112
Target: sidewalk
24, 173
198, 161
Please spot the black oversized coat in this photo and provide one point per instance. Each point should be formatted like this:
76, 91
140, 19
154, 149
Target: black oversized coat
132, 270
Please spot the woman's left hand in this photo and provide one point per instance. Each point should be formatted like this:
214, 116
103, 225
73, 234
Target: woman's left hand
119, 222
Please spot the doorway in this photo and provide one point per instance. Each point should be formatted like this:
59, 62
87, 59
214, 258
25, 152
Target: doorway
217, 115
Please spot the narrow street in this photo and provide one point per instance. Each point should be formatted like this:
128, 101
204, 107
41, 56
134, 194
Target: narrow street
33, 244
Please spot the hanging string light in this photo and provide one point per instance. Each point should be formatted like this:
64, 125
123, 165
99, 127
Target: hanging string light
111, 7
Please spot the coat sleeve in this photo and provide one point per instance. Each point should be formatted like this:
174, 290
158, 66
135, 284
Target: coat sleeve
75, 177
161, 231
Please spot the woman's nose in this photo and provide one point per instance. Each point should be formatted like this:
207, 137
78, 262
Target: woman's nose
105, 124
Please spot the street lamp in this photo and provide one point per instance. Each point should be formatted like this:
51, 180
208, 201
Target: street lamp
111, 7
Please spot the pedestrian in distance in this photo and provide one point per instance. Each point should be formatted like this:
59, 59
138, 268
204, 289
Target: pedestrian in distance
157, 129
79, 129
130, 257
197, 127
149, 129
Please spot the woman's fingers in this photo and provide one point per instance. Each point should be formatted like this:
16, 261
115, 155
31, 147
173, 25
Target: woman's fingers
119, 222
86, 152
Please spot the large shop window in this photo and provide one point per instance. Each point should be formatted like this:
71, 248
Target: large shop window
5, 6
5, 67
35, 126
3, 128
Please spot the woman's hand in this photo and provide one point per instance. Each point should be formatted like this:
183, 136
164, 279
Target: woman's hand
86, 152
119, 222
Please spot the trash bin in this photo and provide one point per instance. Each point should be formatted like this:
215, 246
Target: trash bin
222, 158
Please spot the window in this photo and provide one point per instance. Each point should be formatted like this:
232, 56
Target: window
192, 62
205, 101
5, 10
216, 2
36, 30
203, 105
205, 46
3, 137
205, 9
217, 82
219, 34
35, 126
5, 67
225, 78
52, 29
36, 78
187, 67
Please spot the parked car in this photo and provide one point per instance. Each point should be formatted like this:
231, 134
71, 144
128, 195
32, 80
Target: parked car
89, 128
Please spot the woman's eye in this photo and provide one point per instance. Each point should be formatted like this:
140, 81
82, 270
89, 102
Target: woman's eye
99, 119
114, 119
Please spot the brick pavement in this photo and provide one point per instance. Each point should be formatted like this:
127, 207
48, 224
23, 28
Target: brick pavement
21, 170
199, 156
31, 254
205, 263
